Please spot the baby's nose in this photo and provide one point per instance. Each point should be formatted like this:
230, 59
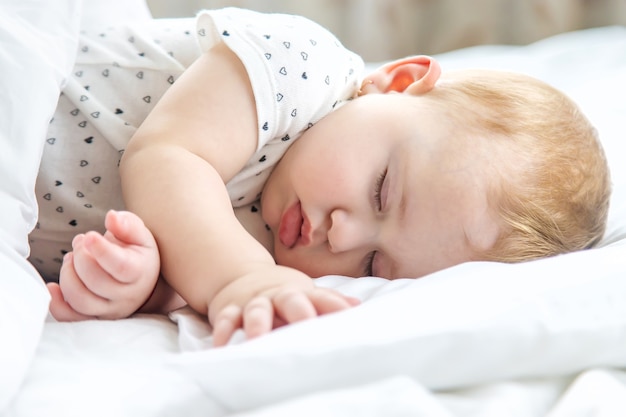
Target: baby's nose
348, 232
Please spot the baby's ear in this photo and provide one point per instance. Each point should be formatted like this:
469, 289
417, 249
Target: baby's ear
412, 75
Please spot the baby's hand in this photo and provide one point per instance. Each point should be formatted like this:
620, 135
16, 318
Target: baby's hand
270, 298
107, 276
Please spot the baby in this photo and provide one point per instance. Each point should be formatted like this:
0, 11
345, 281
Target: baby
408, 174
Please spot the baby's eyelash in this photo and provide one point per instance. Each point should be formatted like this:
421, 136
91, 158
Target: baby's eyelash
378, 189
369, 260
369, 264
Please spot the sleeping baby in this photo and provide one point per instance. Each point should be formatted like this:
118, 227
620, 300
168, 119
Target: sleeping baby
233, 157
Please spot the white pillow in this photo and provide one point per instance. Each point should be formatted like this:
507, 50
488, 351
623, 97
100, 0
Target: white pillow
38, 40
468, 325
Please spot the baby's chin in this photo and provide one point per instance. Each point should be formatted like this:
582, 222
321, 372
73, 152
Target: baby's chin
279, 255
283, 257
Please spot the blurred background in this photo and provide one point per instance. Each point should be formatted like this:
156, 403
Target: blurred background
386, 29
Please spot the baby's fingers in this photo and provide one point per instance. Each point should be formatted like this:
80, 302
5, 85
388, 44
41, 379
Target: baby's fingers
328, 301
294, 306
73, 292
60, 309
119, 263
262, 314
226, 323
258, 317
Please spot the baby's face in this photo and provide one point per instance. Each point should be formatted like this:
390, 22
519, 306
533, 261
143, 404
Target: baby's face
379, 187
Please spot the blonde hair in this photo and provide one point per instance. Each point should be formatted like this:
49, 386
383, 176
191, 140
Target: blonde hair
552, 195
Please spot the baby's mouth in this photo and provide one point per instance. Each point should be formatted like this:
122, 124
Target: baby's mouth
290, 226
294, 227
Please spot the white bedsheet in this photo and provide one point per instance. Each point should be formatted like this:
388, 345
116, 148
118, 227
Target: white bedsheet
544, 338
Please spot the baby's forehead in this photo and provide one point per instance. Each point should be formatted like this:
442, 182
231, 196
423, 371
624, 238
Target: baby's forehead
479, 158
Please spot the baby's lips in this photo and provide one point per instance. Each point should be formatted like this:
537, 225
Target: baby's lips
290, 225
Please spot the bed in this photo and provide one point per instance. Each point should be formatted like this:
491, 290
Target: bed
543, 338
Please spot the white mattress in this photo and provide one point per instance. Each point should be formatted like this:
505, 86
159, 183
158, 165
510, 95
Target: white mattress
544, 338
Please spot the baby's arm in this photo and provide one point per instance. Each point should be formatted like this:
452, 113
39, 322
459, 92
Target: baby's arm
107, 276
198, 136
